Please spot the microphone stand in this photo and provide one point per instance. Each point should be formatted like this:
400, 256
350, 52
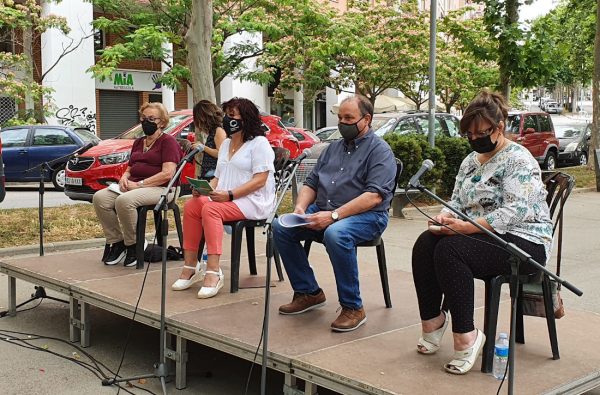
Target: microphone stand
288, 173
161, 370
44, 167
517, 257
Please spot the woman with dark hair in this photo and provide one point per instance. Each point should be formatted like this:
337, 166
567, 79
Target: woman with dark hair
208, 122
499, 186
244, 188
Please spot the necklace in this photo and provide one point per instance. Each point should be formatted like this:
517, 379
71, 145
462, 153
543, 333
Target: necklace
148, 146
233, 149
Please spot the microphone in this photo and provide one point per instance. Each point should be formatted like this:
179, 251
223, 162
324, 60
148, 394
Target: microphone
425, 167
190, 155
307, 152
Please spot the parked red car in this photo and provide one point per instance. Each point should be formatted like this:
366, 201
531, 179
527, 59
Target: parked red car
534, 131
305, 137
105, 163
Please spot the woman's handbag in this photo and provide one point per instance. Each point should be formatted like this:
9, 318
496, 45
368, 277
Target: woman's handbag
533, 300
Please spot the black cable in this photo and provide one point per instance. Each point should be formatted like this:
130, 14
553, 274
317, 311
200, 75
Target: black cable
132, 321
95, 369
255, 356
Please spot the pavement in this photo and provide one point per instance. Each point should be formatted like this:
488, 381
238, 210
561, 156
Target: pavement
211, 372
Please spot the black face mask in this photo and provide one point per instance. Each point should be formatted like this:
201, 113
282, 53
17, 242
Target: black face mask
349, 131
149, 128
483, 145
232, 125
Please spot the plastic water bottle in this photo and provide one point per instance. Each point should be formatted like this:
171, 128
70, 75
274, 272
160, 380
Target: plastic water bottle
500, 356
204, 254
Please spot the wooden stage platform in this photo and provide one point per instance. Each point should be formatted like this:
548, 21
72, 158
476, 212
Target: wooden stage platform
378, 358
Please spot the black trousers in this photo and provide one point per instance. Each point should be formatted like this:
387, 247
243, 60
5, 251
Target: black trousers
446, 266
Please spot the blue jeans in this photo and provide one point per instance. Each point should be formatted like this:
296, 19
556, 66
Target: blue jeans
340, 240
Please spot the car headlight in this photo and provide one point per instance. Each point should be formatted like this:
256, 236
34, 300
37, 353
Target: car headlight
571, 147
113, 159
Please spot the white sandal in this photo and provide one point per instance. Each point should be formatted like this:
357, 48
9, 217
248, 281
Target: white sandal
464, 360
429, 343
209, 292
199, 272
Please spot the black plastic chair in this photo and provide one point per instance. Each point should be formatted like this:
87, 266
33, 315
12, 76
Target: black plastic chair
559, 186
140, 231
282, 173
379, 246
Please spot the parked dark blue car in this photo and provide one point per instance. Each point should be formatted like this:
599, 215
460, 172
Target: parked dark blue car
24, 147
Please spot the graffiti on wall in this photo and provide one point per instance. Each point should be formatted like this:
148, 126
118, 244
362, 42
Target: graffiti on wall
79, 117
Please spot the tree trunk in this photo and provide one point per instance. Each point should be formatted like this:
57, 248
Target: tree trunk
596, 98
198, 42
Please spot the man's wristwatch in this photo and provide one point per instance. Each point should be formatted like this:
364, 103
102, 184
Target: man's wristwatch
335, 215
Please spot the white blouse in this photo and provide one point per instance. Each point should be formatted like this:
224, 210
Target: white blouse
254, 156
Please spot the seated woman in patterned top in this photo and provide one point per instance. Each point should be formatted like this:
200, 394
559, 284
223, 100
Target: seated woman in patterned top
499, 186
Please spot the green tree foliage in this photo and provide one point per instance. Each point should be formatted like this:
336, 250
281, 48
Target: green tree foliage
559, 48
284, 25
501, 18
464, 60
19, 78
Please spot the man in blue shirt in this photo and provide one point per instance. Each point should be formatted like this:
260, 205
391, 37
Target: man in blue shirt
347, 194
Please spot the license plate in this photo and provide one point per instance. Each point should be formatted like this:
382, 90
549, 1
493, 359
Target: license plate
73, 181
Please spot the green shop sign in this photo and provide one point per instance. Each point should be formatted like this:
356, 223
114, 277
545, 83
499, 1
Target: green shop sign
123, 81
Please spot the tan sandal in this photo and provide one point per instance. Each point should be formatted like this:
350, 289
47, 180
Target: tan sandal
464, 360
429, 343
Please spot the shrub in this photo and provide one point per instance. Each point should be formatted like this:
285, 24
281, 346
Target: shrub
447, 155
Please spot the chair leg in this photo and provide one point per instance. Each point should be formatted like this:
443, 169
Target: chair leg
178, 225
140, 233
490, 321
383, 274
236, 251
277, 259
157, 225
251, 250
307, 244
520, 329
550, 320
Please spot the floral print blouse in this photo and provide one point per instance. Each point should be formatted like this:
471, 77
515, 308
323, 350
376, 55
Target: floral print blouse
508, 192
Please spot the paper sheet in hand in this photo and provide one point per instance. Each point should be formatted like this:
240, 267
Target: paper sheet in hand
202, 186
292, 220
115, 188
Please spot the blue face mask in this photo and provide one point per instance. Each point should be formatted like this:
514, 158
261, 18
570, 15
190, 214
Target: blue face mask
231, 125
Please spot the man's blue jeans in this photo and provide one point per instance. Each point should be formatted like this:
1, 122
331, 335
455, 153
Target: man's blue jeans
340, 240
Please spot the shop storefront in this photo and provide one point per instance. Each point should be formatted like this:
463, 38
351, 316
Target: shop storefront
119, 99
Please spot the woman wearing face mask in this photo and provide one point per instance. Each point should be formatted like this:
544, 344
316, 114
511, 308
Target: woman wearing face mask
208, 120
151, 166
244, 188
499, 186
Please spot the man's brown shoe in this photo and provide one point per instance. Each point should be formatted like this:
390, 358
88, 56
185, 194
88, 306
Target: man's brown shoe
302, 303
349, 320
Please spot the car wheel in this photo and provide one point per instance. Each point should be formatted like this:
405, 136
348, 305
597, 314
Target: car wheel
582, 159
550, 161
58, 178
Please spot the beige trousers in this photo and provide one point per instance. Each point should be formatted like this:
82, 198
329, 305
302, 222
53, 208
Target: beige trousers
118, 213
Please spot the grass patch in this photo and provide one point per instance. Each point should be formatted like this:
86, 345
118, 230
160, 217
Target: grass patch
584, 177
68, 223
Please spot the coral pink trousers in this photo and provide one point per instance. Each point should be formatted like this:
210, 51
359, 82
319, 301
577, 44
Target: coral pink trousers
202, 216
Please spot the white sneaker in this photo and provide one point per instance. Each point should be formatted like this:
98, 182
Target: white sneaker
209, 292
199, 272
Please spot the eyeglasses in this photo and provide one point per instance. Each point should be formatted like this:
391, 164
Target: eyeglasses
479, 133
150, 119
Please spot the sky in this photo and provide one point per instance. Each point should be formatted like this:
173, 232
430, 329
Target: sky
536, 9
